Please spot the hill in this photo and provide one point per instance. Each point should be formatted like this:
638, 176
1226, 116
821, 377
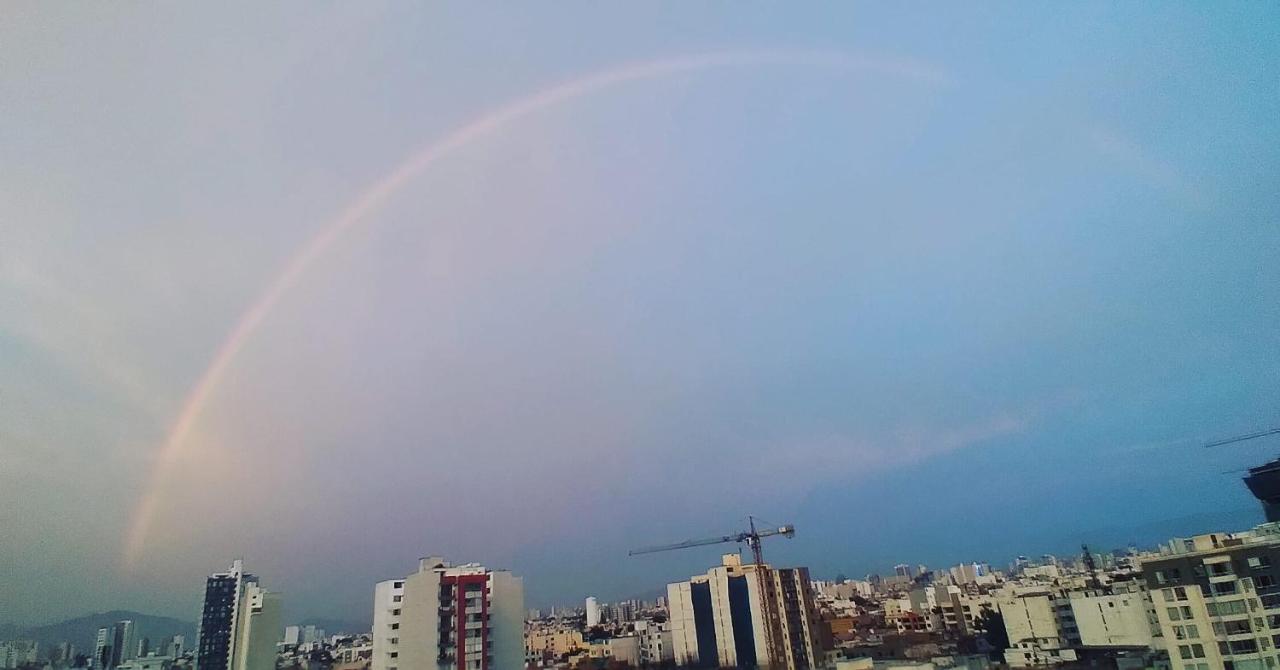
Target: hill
82, 631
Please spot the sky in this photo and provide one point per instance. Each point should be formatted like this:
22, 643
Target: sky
332, 286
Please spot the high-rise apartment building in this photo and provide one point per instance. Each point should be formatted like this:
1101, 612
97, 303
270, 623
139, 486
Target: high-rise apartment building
442, 617
1217, 599
114, 645
102, 649
240, 623
716, 618
593, 612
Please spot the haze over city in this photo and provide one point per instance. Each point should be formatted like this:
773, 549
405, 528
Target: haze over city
331, 287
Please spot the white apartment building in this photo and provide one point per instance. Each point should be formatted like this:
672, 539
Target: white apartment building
969, 573
1054, 627
1096, 620
445, 617
938, 605
1217, 599
845, 590
716, 618
1035, 637
18, 652
655, 642
593, 612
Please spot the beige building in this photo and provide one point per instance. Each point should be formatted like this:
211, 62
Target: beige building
1217, 599
539, 644
1053, 627
1035, 638
622, 649
716, 618
446, 617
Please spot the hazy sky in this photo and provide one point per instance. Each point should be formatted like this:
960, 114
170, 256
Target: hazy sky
935, 283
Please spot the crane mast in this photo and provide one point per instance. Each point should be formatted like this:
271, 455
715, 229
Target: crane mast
769, 595
775, 644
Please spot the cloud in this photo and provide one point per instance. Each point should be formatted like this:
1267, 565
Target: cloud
842, 456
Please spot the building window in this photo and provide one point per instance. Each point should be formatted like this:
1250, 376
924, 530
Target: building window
1237, 627
1259, 562
1244, 647
1227, 608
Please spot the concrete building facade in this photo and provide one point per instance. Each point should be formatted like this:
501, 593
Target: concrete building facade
443, 617
1217, 600
716, 618
239, 623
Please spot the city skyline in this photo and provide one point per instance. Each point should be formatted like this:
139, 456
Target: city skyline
333, 287
708, 557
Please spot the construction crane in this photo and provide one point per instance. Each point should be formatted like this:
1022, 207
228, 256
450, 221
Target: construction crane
1242, 438
1263, 480
1092, 565
768, 591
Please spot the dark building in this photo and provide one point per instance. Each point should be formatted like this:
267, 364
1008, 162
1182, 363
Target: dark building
218, 618
1264, 483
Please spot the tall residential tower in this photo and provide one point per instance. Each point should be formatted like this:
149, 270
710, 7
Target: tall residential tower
240, 623
716, 618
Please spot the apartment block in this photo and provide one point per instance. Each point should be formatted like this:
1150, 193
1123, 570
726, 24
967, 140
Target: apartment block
445, 617
240, 623
716, 618
1217, 600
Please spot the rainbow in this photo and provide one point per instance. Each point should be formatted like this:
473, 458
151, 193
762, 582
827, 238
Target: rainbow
376, 195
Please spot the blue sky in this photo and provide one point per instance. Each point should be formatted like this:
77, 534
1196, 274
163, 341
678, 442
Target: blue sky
981, 295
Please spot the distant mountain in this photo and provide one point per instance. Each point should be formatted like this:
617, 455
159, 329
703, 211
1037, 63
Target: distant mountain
83, 631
